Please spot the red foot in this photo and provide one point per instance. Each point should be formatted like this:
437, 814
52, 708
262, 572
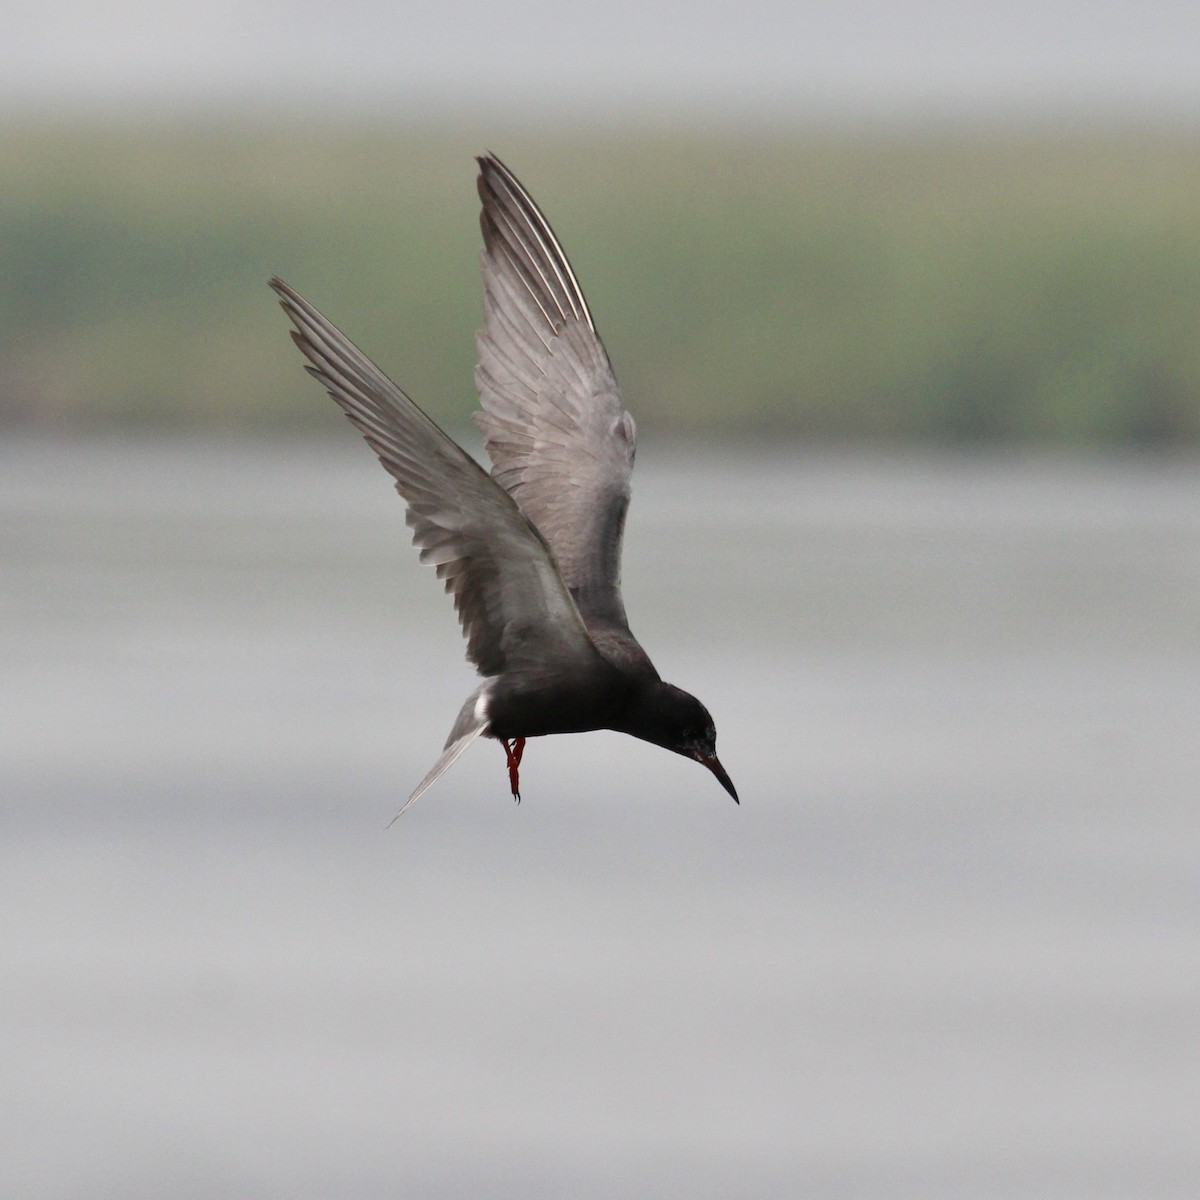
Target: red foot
514, 752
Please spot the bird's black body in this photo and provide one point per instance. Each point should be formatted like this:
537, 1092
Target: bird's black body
622, 692
594, 697
531, 554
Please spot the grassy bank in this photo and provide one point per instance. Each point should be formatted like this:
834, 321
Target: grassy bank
1011, 288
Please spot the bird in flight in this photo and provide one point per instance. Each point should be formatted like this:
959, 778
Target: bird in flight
531, 553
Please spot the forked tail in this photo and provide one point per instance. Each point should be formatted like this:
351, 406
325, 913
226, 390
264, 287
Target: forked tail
472, 721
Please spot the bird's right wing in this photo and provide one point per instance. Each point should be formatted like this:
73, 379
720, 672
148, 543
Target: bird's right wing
514, 608
560, 440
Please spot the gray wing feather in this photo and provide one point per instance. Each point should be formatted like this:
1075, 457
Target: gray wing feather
516, 612
560, 440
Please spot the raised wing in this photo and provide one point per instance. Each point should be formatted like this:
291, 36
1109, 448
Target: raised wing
560, 441
514, 608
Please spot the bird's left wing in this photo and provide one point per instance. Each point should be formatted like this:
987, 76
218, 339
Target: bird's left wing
514, 608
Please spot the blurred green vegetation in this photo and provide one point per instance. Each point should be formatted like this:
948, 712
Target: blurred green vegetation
960, 286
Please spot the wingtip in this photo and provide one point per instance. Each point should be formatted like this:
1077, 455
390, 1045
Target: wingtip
492, 176
287, 297
486, 162
490, 162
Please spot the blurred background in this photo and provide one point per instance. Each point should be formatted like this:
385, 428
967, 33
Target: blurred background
904, 299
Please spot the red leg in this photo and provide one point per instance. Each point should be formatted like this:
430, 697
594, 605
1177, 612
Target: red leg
513, 752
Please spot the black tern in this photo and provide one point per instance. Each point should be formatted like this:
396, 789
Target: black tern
532, 552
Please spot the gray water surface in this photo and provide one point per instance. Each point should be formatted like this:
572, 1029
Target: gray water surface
946, 947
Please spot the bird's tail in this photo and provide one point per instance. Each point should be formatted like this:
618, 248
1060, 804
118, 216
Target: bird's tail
472, 721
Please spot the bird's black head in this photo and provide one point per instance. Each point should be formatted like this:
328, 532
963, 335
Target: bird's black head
670, 717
